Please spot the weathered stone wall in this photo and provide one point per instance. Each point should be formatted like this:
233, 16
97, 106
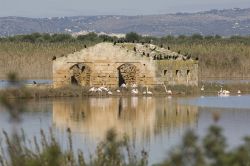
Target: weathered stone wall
103, 61
110, 65
172, 72
106, 73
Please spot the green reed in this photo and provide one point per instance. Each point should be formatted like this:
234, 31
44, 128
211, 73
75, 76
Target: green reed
48, 152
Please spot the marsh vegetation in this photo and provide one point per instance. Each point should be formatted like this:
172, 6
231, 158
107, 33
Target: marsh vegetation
31, 55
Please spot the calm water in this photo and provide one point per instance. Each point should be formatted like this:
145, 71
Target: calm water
6, 84
153, 123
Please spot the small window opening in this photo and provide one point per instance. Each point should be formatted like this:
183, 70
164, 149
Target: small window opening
74, 80
177, 72
83, 68
188, 72
165, 72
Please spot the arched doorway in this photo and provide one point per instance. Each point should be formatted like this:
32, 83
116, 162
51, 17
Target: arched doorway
80, 74
127, 74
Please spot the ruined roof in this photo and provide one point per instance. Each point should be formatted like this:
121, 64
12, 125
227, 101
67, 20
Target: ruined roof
123, 51
153, 51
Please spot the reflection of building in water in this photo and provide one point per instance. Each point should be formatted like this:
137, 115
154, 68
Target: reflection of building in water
140, 118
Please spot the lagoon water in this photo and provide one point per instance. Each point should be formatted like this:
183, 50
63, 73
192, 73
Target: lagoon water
155, 124
6, 84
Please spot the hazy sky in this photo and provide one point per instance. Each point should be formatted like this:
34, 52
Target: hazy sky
50, 8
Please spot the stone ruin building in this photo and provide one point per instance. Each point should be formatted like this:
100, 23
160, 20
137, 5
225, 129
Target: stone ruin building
112, 65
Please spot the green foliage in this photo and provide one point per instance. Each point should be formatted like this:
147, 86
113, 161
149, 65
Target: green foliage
211, 152
188, 153
110, 152
132, 37
92, 37
197, 37
61, 38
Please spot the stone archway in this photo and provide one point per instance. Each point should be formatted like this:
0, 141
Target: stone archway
80, 74
127, 74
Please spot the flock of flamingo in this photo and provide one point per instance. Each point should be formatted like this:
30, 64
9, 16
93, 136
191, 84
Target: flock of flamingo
223, 92
134, 90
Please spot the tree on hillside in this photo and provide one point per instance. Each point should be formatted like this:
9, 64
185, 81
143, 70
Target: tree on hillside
61, 37
88, 37
132, 36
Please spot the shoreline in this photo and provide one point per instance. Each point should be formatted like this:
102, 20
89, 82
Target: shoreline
42, 91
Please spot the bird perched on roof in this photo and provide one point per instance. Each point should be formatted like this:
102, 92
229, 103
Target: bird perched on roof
53, 58
134, 49
155, 57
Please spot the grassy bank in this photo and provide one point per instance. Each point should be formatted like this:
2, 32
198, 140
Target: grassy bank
37, 91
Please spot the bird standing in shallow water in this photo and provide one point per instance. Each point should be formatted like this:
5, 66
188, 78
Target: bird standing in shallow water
202, 88
134, 91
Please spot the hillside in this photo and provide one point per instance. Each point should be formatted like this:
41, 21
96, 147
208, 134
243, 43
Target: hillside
222, 22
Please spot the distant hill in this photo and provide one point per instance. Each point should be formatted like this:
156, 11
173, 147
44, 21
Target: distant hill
222, 22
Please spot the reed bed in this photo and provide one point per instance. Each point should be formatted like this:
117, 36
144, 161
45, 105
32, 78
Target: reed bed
46, 151
210, 150
32, 60
219, 60
30, 56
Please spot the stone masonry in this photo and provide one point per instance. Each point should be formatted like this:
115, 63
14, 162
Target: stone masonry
129, 63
